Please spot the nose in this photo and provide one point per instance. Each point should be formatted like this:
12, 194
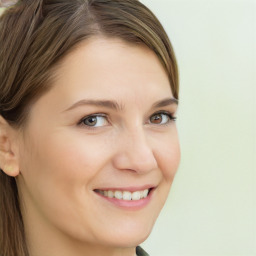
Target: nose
134, 153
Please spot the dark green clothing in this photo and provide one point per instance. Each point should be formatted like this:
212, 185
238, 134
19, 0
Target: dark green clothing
141, 252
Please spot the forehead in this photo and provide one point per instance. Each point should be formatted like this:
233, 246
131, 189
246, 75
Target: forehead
110, 69
109, 62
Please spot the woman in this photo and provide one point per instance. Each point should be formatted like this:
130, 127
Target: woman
88, 142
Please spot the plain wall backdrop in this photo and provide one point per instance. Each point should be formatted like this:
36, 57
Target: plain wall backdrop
211, 207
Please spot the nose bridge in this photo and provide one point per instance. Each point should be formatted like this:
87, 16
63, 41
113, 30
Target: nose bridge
135, 152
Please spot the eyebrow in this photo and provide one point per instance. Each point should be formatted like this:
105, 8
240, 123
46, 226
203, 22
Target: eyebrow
114, 105
165, 102
100, 103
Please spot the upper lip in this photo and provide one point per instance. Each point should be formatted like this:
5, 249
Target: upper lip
129, 188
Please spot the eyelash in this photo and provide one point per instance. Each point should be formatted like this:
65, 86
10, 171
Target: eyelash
166, 113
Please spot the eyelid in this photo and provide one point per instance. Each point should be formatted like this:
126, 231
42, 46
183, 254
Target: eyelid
168, 113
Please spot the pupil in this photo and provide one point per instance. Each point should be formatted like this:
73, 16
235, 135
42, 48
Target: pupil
91, 121
156, 119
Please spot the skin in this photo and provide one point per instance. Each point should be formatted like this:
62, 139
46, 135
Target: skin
59, 162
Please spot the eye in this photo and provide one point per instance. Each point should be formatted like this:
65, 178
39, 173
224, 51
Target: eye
94, 121
162, 118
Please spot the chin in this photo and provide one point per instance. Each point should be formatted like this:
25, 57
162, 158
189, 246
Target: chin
131, 240
129, 236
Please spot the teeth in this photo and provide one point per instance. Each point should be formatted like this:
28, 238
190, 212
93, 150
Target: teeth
125, 195
136, 195
110, 194
145, 193
118, 194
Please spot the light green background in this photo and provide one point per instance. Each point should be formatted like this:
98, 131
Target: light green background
211, 208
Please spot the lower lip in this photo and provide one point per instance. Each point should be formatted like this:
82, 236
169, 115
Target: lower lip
129, 204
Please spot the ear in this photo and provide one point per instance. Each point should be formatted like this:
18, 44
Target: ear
8, 149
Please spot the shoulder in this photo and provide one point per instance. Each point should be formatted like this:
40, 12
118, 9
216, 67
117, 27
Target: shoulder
141, 252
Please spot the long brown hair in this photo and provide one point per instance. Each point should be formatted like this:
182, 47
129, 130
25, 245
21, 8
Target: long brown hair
34, 37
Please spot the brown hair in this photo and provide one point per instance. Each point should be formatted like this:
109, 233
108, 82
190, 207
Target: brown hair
34, 36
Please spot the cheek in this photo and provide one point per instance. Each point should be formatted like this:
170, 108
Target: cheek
58, 175
75, 158
61, 163
169, 156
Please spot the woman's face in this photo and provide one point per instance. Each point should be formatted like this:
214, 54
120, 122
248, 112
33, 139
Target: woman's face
104, 128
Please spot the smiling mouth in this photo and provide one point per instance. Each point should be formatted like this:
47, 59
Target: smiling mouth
125, 195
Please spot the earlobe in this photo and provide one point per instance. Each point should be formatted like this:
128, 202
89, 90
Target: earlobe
8, 158
11, 170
